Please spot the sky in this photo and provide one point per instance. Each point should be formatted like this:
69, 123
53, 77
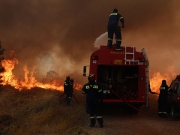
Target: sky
60, 35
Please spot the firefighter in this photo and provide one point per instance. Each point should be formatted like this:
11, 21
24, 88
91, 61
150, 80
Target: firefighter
162, 100
93, 100
114, 28
72, 84
68, 90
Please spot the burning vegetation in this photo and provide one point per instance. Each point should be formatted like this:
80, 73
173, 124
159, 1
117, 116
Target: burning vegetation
156, 78
51, 81
30, 106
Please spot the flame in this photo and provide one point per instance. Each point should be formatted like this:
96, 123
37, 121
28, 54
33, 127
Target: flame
156, 79
30, 81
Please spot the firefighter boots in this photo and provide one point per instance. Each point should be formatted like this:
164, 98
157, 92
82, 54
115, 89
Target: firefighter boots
92, 122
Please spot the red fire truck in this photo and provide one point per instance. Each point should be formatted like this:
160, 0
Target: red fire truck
123, 74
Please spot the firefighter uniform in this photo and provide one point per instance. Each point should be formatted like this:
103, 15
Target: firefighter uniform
68, 90
72, 84
93, 99
162, 100
113, 28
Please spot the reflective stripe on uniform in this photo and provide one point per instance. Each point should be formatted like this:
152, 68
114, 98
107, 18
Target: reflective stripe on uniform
162, 88
109, 38
99, 117
118, 39
113, 14
100, 90
95, 86
83, 92
91, 86
92, 117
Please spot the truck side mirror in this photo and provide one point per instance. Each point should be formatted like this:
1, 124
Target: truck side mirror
84, 71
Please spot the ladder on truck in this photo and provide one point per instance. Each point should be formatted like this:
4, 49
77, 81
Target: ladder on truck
147, 76
130, 61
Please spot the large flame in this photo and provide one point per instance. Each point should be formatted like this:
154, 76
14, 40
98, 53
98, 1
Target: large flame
157, 77
30, 81
8, 78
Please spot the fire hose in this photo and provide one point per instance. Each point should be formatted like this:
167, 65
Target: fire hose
127, 102
72, 95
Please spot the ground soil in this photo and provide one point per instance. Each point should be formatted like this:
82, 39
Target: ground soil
146, 122
46, 108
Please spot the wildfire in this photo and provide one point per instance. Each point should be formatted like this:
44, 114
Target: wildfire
156, 79
30, 81
8, 78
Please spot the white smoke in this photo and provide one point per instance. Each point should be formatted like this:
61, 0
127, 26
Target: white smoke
102, 40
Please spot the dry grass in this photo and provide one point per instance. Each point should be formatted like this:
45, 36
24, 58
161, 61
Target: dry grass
44, 112
40, 112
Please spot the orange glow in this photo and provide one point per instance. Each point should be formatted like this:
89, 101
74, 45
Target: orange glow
156, 79
30, 81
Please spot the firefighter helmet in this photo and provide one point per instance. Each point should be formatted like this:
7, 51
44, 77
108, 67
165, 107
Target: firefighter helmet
68, 77
163, 81
91, 77
115, 10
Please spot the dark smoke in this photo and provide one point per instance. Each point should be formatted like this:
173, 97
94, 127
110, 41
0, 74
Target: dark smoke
67, 30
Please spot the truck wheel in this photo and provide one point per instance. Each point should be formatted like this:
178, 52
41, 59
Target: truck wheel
173, 112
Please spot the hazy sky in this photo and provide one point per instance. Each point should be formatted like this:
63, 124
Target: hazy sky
59, 34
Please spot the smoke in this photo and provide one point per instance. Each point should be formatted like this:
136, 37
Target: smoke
68, 30
101, 40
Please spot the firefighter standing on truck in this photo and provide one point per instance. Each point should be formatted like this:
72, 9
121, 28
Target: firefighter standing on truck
93, 100
162, 100
68, 90
114, 28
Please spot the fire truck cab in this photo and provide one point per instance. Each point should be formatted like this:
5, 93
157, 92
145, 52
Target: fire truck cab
123, 74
